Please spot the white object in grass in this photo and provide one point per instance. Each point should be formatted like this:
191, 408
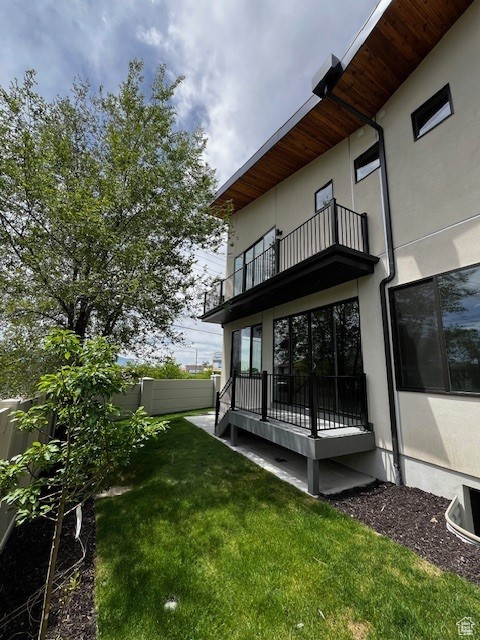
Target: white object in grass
171, 605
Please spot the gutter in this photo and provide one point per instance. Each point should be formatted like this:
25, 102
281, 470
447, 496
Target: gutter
323, 84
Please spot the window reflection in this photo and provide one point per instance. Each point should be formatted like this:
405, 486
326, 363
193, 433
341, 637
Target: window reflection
326, 341
420, 359
460, 303
247, 350
323, 196
438, 332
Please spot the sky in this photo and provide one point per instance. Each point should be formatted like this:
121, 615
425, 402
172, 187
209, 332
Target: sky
248, 66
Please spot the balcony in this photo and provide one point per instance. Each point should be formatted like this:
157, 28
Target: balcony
328, 249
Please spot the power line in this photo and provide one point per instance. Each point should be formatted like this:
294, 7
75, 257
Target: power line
209, 270
213, 259
179, 326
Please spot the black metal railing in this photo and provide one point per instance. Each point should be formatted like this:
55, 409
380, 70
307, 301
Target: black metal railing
332, 225
312, 402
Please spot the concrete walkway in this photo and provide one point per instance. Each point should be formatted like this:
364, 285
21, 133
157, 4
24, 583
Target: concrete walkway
287, 465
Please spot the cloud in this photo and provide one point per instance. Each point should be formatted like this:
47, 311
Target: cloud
247, 64
150, 36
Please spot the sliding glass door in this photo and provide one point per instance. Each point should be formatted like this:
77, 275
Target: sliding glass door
325, 341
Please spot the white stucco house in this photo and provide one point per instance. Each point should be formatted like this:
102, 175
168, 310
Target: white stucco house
351, 306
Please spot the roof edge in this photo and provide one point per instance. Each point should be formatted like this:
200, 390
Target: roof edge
312, 102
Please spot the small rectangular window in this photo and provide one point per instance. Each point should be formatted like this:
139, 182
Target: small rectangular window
366, 163
323, 196
432, 112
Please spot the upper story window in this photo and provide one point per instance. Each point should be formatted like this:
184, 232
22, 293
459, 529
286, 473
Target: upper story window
254, 265
432, 112
437, 333
365, 164
323, 196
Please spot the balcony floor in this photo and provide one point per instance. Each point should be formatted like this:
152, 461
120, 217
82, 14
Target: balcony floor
329, 268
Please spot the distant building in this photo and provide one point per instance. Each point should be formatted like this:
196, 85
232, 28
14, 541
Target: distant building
217, 360
194, 368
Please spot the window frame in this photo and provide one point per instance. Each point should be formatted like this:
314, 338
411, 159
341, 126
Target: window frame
414, 114
447, 390
309, 312
242, 255
251, 327
361, 157
318, 191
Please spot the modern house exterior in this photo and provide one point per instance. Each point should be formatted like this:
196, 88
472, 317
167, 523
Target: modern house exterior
351, 307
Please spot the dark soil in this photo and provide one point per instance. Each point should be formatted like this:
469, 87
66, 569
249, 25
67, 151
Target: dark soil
23, 566
415, 519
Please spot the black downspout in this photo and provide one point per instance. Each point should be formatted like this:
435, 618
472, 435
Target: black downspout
390, 276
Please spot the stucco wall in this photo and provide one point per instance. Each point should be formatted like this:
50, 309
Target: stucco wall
292, 202
435, 199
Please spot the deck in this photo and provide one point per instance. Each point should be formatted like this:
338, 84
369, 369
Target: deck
331, 441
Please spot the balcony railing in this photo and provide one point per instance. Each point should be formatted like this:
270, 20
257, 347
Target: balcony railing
315, 403
332, 225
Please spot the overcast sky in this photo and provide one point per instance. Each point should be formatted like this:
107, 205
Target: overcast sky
248, 66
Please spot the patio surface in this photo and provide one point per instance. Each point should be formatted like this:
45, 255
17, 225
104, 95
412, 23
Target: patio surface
287, 465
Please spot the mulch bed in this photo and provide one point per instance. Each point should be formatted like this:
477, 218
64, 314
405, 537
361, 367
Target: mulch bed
23, 566
415, 519
409, 516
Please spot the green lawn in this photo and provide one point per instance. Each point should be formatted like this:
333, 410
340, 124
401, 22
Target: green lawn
250, 557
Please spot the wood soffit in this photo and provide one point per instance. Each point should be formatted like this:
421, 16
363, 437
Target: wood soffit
404, 35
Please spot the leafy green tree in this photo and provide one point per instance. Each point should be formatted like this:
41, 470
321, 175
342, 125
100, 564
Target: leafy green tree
166, 370
104, 201
88, 443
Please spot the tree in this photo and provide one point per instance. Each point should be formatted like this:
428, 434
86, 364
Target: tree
65, 470
166, 370
104, 201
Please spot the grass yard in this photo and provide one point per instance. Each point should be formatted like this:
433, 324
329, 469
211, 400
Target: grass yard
250, 557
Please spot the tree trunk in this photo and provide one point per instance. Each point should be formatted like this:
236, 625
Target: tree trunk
47, 599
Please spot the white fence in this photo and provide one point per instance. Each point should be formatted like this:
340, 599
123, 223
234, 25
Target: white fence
156, 396
13, 442
169, 396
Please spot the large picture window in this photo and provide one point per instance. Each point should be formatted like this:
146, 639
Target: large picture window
437, 333
247, 350
325, 340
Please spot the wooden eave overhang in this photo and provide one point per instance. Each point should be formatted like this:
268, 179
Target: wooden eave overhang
399, 35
